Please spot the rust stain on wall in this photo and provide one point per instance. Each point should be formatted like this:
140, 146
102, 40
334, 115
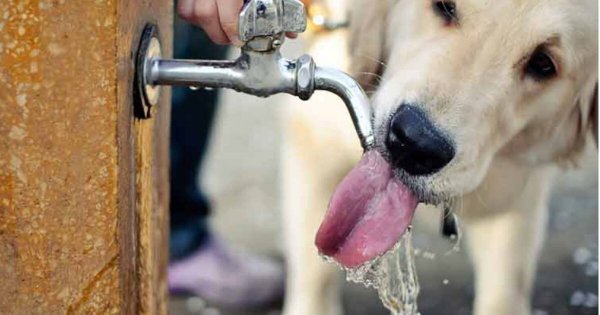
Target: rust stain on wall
83, 185
58, 154
105, 281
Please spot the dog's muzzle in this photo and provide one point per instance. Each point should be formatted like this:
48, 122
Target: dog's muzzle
415, 144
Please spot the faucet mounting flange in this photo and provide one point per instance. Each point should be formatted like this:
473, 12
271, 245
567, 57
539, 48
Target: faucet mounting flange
148, 50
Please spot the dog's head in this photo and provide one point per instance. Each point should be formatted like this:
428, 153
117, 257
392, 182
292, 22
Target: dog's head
459, 82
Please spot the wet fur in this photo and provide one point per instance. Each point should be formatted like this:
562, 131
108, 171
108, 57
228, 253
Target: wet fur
511, 133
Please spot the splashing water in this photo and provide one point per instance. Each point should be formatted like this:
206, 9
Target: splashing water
196, 88
393, 275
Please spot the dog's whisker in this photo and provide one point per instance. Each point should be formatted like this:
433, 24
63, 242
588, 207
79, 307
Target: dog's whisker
373, 59
371, 87
377, 76
481, 201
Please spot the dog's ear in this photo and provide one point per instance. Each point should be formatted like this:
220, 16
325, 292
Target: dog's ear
588, 108
367, 40
594, 114
582, 122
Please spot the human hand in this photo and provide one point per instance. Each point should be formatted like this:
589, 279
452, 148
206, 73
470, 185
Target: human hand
218, 18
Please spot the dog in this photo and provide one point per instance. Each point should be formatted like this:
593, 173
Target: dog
476, 103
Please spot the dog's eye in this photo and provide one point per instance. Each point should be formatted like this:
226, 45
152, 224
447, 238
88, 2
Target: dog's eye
540, 66
446, 10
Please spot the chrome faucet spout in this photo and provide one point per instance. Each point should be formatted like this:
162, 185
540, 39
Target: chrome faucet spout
260, 69
265, 74
354, 97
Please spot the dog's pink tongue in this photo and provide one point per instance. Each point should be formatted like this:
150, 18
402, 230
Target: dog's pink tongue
367, 215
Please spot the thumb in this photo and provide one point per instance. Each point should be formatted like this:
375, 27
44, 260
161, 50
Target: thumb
229, 12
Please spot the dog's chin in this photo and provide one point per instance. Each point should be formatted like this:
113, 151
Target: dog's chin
424, 188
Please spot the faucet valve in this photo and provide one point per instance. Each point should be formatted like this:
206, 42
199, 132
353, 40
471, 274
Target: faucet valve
263, 23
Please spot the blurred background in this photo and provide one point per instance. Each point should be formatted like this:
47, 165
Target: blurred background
241, 178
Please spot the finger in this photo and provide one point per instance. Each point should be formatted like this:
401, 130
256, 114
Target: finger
291, 35
206, 15
185, 8
229, 12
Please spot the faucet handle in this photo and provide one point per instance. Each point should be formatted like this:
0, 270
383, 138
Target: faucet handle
270, 18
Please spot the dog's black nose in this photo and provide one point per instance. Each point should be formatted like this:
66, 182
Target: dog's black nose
415, 144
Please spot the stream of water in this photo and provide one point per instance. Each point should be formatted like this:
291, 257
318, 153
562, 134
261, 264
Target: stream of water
393, 275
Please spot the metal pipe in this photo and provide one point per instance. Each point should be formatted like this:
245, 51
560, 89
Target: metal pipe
354, 97
256, 75
201, 73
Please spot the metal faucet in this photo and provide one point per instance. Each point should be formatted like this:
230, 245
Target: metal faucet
260, 69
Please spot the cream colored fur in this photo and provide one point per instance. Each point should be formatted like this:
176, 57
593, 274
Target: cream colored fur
510, 131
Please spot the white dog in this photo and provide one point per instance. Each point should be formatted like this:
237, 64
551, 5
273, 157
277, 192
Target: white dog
474, 100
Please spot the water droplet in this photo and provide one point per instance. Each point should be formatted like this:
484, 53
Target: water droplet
428, 255
195, 304
591, 269
211, 311
577, 298
581, 255
591, 300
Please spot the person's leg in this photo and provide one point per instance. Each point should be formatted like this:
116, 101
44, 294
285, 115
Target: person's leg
192, 117
200, 263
